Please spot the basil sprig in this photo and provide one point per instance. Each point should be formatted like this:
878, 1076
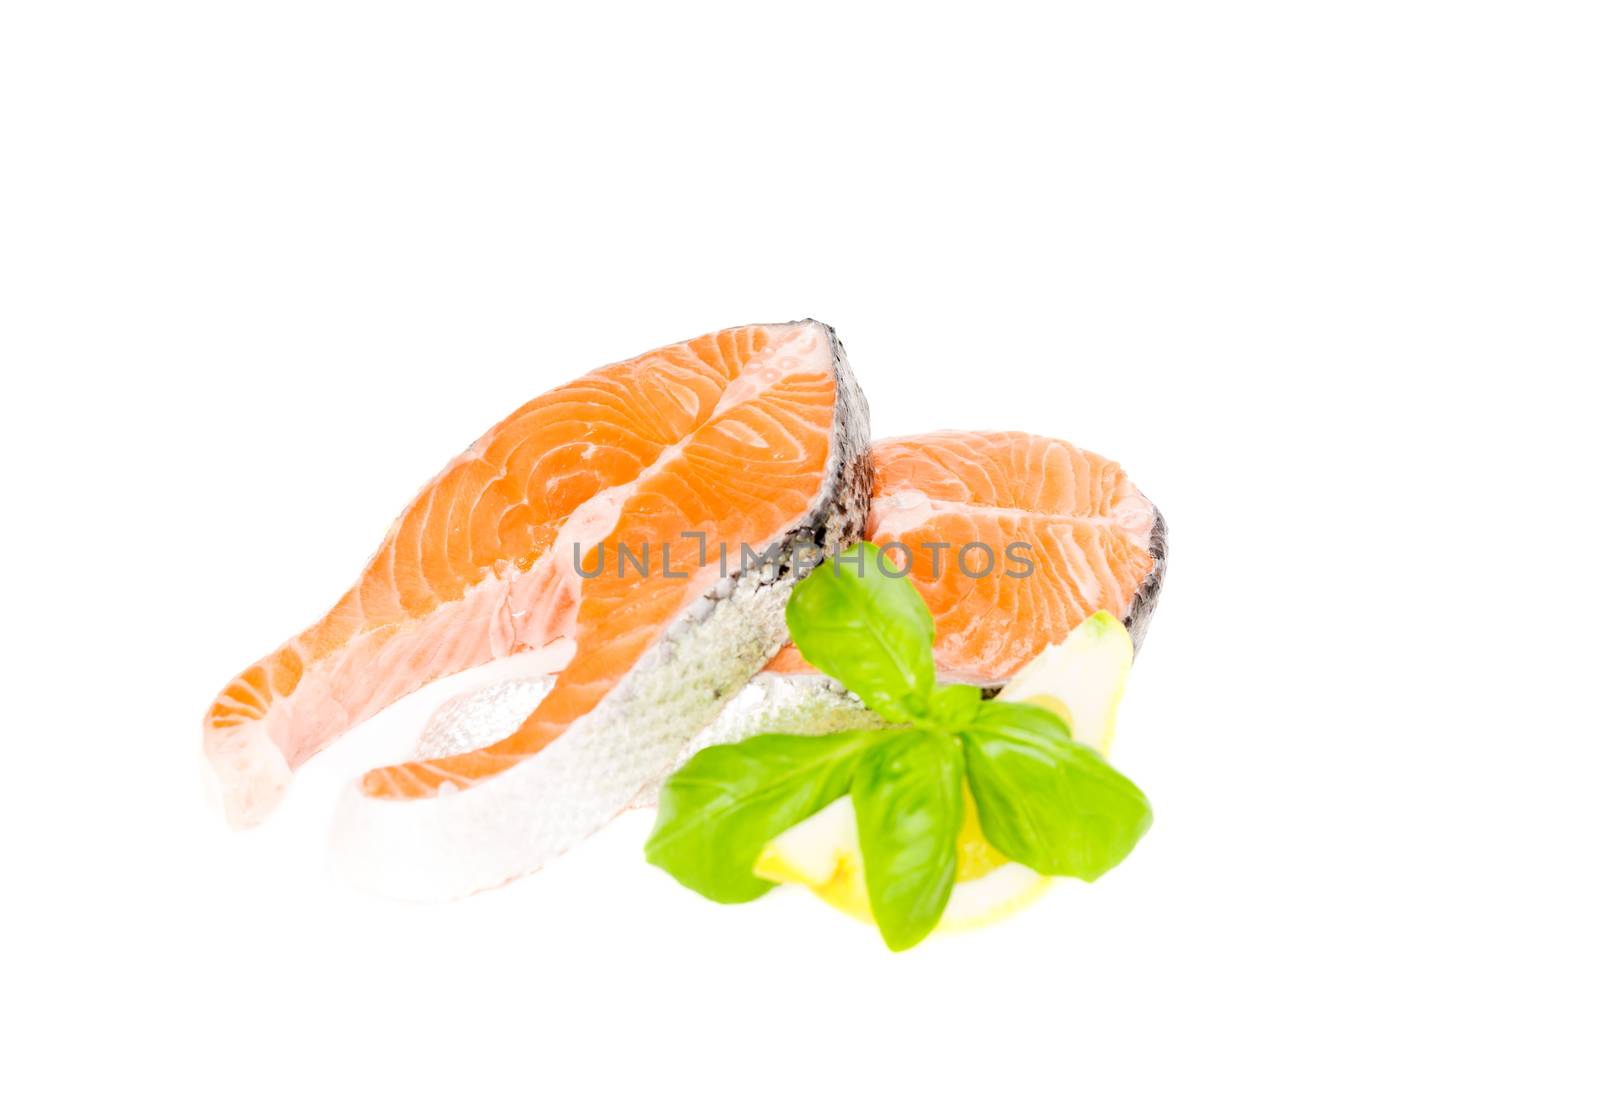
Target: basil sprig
1043, 799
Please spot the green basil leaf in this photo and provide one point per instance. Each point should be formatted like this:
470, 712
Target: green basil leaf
719, 809
954, 704
908, 804
869, 630
1046, 801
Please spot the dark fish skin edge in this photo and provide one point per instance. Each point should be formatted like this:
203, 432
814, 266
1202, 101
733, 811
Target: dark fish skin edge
841, 520
853, 430
1143, 607
1144, 601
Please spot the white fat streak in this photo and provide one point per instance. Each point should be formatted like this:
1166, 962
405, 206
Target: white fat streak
899, 513
803, 349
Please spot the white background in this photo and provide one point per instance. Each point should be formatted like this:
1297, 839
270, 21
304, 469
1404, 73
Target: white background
1323, 277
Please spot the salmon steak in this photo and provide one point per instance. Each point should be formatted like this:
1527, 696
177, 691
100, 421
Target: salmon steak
1012, 540
577, 529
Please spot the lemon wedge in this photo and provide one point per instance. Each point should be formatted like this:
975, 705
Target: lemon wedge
1081, 679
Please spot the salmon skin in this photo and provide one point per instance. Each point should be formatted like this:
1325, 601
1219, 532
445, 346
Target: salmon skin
754, 435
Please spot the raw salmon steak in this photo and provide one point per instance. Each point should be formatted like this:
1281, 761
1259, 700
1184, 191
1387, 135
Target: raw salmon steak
754, 435
1012, 540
